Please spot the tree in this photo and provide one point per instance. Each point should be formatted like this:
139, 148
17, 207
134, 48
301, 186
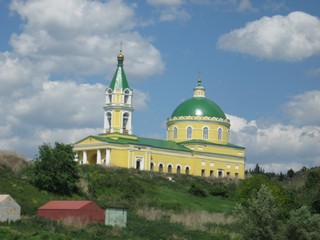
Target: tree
313, 179
290, 173
251, 186
301, 225
312, 187
55, 169
258, 170
258, 219
281, 177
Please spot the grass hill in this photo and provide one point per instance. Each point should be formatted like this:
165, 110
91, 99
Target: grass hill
159, 206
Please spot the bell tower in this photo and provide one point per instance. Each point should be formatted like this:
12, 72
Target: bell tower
118, 104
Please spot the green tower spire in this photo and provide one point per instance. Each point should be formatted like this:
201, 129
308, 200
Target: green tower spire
119, 79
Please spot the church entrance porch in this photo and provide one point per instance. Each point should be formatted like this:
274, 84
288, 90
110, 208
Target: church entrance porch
92, 157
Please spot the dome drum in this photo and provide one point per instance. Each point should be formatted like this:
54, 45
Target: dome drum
173, 120
198, 118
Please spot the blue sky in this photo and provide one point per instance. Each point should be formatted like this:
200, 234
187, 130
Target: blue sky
259, 61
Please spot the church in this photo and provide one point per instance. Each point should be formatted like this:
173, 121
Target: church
197, 137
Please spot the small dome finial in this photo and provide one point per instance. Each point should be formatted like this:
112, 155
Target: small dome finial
199, 79
199, 90
120, 55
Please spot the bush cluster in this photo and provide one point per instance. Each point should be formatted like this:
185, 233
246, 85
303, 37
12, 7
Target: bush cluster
196, 190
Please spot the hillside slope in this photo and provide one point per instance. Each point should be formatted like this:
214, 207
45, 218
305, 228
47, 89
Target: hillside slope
159, 206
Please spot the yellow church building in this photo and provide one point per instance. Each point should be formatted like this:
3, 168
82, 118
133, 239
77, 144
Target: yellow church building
197, 137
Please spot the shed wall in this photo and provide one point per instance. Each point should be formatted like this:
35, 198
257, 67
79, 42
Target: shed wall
9, 210
90, 212
116, 217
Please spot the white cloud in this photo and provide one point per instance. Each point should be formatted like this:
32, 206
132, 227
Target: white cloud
229, 5
277, 147
140, 100
82, 37
61, 104
16, 74
42, 95
28, 143
303, 109
245, 5
58, 111
171, 14
74, 16
314, 72
165, 2
170, 10
290, 38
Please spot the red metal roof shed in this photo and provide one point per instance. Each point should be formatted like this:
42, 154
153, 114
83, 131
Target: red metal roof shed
59, 210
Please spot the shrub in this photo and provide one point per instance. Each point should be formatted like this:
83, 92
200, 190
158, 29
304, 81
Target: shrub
258, 219
251, 186
316, 206
197, 191
301, 225
219, 189
113, 187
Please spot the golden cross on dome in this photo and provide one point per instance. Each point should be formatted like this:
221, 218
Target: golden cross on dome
199, 78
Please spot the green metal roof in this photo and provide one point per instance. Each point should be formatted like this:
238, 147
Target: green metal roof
145, 142
198, 106
119, 79
162, 144
199, 141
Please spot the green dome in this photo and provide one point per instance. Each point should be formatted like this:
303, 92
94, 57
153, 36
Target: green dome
198, 106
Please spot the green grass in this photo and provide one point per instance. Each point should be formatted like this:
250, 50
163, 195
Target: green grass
117, 187
27, 196
180, 199
137, 229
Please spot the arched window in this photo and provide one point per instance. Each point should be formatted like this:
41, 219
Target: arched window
160, 168
169, 169
178, 169
109, 119
189, 132
187, 170
126, 95
151, 166
219, 134
205, 133
109, 91
175, 133
125, 121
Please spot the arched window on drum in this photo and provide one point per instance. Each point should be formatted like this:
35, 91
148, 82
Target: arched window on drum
205, 133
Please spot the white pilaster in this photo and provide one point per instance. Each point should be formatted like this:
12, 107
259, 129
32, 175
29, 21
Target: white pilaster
107, 157
98, 156
84, 157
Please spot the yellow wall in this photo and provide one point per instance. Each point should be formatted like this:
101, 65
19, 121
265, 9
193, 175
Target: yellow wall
216, 149
117, 119
197, 131
126, 156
